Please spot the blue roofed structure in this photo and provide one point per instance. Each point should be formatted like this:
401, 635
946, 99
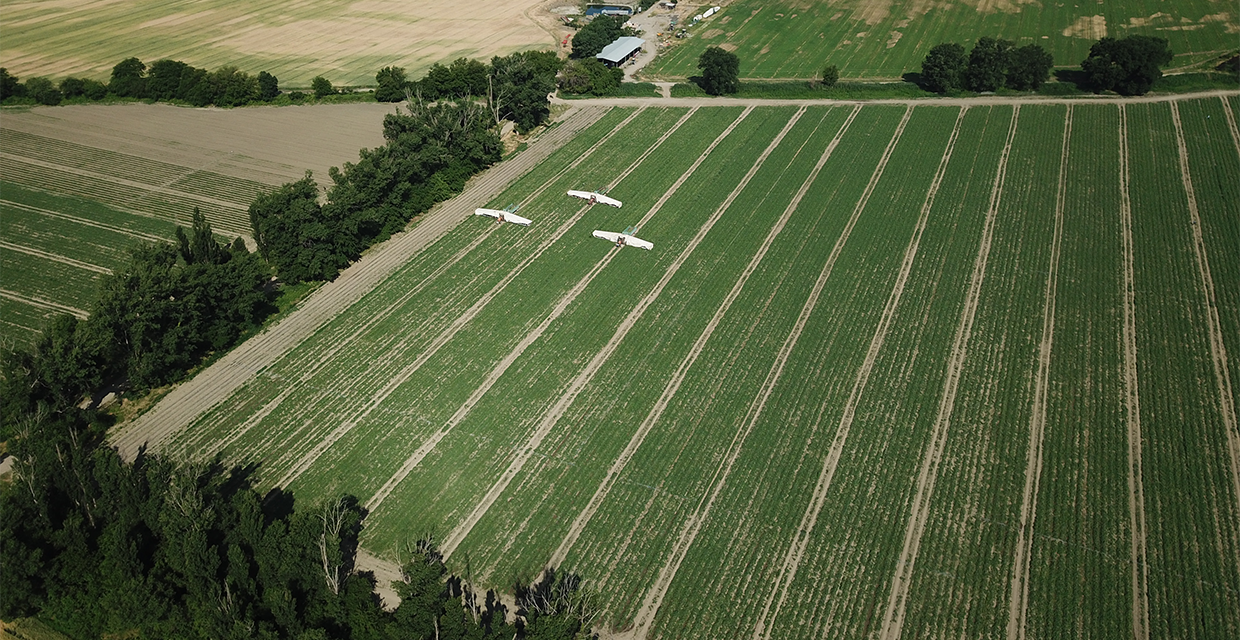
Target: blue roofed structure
616, 53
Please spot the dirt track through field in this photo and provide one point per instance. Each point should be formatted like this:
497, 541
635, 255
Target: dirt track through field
54, 257
673, 385
1231, 123
464, 319
329, 355
1018, 609
1136, 487
219, 381
47, 305
793, 557
553, 415
1218, 351
498, 371
928, 475
83, 221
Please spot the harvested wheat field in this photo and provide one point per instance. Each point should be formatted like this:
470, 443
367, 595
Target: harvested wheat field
342, 40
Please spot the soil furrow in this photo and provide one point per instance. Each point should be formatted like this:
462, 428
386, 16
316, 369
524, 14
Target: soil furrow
1218, 350
83, 221
1018, 609
550, 419
55, 258
1231, 123
44, 304
604, 488
1136, 489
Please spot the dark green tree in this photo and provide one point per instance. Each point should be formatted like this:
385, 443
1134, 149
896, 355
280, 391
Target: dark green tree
1030, 67
72, 87
234, 87
944, 68
595, 36
390, 84
322, 87
163, 79
128, 79
521, 83
1128, 66
294, 236
830, 75
988, 64
469, 78
43, 91
10, 86
196, 87
268, 86
590, 76
720, 71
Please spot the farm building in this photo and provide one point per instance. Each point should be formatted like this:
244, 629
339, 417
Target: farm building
618, 52
607, 9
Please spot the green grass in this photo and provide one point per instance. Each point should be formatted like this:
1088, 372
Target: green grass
789, 40
351, 398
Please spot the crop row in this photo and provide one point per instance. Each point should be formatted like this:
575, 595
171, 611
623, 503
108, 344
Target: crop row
101, 161
90, 214
232, 189
101, 247
36, 277
1194, 585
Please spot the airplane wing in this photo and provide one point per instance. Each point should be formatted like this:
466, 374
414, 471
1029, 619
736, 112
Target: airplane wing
634, 241
584, 195
506, 216
610, 236
602, 199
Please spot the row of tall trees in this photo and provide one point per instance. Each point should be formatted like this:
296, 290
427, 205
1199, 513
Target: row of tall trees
430, 151
164, 80
97, 548
993, 63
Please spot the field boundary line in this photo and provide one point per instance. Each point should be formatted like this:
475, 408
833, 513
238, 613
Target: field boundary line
1018, 609
1136, 486
673, 385
1218, 350
370, 322
450, 332
1231, 123
123, 181
40, 303
193, 398
83, 221
55, 257
552, 416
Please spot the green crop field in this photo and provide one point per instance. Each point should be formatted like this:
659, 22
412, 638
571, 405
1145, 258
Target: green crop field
889, 370
882, 40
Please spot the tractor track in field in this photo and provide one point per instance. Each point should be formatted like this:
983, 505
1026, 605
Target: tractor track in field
793, 557
138, 235
1218, 350
552, 416
219, 381
1018, 609
500, 368
40, 303
604, 488
1136, 487
1231, 122
928, 474
464, 319
54, 257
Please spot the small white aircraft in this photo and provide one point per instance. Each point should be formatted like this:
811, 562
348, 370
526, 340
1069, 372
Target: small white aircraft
595, 197
624, 239
505, 215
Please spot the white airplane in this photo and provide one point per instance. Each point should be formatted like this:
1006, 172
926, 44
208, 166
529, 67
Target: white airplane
505, 215
624, 239
595, 197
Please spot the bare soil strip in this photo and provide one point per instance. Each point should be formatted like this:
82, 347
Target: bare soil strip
55, 258
458, 324
552, 416
328, 357
83, 221
1136, 488
127, 183
219, 381
1218, 351
673, 385
44, 304
1231, 122
1018, 609
928, 474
